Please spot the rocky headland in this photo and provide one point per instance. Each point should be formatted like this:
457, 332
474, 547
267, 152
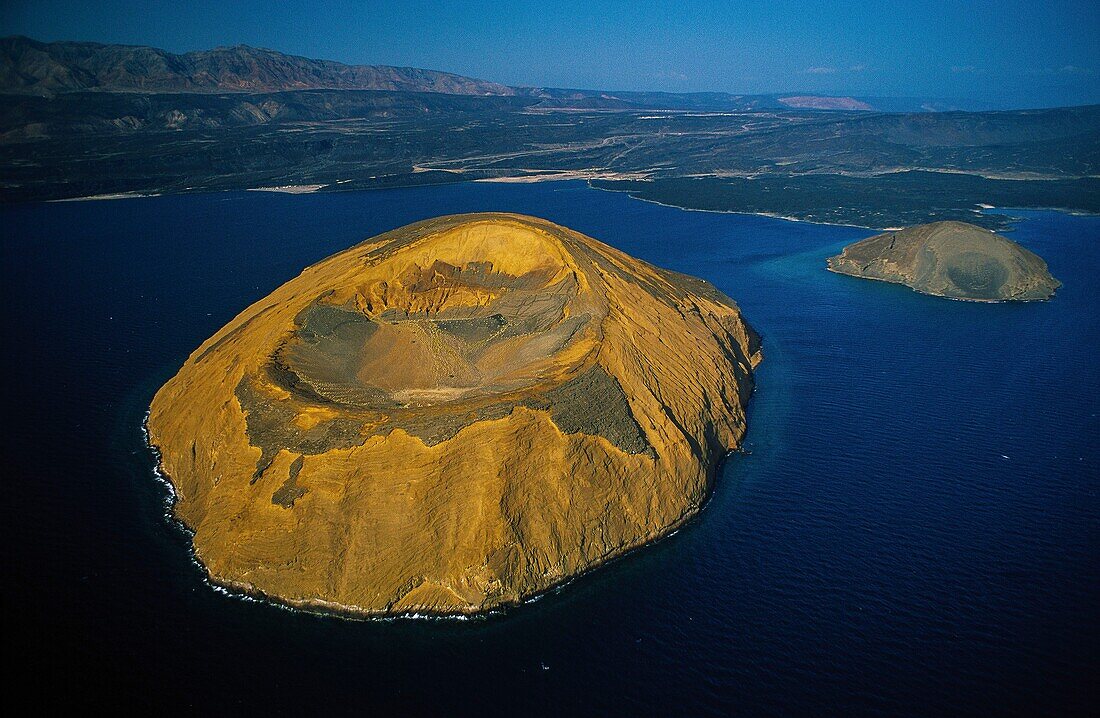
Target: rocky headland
950, 259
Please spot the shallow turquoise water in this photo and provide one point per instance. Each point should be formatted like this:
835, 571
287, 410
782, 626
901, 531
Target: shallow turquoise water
915, 531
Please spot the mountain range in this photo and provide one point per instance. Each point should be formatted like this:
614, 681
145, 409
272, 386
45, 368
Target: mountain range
46, 68
31, 67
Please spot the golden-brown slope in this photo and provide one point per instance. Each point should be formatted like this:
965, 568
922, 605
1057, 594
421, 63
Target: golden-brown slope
452, 416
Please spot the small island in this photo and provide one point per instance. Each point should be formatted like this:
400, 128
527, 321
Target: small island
950, 259
451, 417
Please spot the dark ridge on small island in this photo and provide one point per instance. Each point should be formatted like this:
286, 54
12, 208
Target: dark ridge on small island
950, 259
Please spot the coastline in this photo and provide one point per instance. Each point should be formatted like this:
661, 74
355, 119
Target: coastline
771, 215
568, 175
932, 294
319, 607
109, 196
289, 188
980, 208
563, 175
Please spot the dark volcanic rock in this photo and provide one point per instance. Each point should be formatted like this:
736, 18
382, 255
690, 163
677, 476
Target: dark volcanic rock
950, 259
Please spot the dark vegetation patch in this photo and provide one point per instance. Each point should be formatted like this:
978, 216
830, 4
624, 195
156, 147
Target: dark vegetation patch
594, 403
270, 426
290, 492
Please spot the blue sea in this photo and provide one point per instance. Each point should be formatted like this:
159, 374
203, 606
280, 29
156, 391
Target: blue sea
916, 530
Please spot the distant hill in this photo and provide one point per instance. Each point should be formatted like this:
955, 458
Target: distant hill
813, 102
32, 67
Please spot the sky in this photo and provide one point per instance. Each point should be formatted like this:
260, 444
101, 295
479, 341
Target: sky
1014, 53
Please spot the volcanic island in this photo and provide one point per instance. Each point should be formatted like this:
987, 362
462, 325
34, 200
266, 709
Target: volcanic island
452, 417
956, 260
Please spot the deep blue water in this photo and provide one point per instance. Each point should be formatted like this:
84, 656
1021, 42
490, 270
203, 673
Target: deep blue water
916, 530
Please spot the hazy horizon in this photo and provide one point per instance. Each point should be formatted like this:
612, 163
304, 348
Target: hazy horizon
1001, 55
